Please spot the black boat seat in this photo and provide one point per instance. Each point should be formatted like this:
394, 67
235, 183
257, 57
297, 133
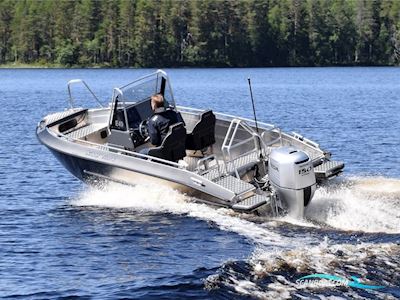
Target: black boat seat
172, 147
203, 133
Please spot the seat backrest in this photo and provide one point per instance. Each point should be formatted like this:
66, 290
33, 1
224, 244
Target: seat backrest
203, 133
173, 146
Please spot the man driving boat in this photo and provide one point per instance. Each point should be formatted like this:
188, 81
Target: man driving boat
160, 122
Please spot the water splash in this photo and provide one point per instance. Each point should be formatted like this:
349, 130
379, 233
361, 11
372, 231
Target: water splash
271, 270
368, 204
273, 274
164, 200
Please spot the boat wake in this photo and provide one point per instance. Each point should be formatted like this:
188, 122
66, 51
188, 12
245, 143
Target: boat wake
283, 256
164, 200
274, 274
367, 204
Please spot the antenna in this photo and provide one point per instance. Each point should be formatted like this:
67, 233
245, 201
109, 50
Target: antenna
255, 118
252, 102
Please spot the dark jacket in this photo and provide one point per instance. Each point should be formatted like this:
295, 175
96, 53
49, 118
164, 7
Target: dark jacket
159, 124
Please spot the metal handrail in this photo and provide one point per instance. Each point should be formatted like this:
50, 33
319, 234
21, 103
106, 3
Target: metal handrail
116, 92
279, 138
228, 145
242, 143
225, 149
71, 100
303, 139
262, 125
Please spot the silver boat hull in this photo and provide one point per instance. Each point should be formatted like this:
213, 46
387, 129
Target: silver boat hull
232, 172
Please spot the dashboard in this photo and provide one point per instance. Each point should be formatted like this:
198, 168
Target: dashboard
138, 112
135, 113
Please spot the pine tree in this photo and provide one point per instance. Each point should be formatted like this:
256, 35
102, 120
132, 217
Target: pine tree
264, 47
108, 34
367, 22
160, 33
83, 29
320, 32
66, 53
146, 33
6, 17
179, 35
126, 49
344, 35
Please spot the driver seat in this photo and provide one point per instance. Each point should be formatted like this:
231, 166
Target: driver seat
172, 147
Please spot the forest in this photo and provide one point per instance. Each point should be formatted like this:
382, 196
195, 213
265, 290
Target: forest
201, 33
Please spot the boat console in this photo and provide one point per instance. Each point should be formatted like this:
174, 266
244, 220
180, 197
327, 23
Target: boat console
136, 113
130, 125
131, 108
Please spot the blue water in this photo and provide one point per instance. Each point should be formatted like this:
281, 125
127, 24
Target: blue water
60, 238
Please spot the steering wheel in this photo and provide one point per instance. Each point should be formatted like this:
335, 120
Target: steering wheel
143, 129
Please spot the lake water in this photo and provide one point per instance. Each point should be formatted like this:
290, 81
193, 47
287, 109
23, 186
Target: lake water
60, 238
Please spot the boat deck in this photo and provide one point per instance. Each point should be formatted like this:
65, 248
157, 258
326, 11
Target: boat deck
328, 169
251, 203
86, 130
239, 187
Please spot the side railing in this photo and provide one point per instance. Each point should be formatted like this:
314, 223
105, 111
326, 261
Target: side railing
266, 127
268, 140
229, 145
262, 143
305, 140
75, 81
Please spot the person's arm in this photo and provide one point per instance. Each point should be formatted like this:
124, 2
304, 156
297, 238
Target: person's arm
154, 133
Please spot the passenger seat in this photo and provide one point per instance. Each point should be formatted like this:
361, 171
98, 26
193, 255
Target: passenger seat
203, 133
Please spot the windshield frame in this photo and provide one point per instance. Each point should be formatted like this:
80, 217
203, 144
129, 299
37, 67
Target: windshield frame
120, 99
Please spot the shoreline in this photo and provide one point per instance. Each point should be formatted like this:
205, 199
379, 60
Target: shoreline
58, 66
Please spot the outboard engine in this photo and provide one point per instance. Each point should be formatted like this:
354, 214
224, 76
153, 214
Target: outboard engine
291, 174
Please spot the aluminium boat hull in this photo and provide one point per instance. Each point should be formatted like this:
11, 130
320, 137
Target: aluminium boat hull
92, 166
229, 165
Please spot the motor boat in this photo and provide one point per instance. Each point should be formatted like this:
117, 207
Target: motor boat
219, 159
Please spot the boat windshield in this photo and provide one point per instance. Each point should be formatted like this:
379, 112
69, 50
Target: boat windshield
139, 92
143, 88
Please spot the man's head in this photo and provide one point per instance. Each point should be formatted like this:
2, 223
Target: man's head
157, 101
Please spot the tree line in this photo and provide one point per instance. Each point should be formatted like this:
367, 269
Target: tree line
164, 33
